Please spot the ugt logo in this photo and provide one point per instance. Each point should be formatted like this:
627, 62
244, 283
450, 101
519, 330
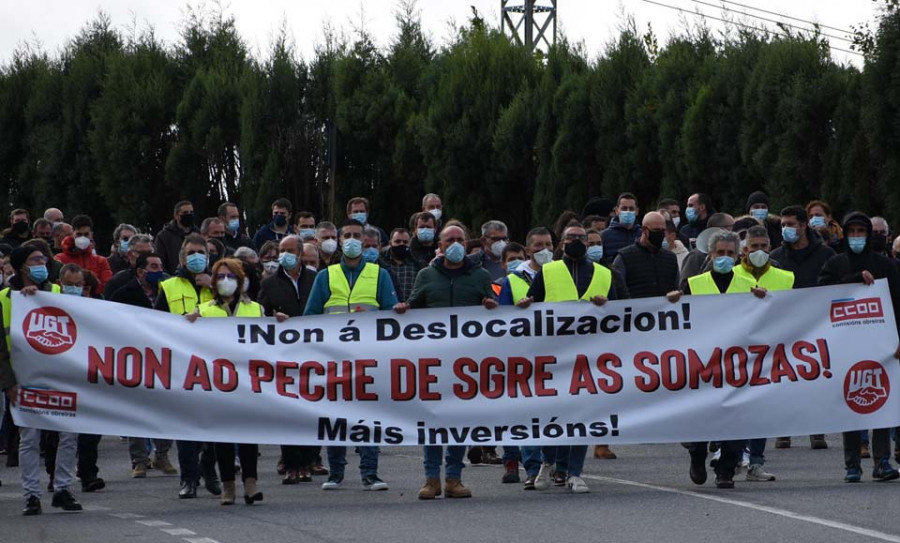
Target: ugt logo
866, 387
50, 330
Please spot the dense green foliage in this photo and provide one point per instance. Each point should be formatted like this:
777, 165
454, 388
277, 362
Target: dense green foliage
121, 128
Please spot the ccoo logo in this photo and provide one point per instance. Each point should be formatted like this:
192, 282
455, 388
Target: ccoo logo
866, 387
50, 330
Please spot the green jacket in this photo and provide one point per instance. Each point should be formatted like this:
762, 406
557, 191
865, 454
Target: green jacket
436, 286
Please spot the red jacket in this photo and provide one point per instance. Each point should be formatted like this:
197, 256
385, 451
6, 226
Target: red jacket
86, 259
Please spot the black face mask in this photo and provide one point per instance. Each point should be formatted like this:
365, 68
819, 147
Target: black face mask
575, 249
656, 238
279, 220
878, 243
186, 220
400, 252
20, 227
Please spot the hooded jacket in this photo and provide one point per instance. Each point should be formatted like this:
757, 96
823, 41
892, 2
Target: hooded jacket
86, 259
617, 237
805, 263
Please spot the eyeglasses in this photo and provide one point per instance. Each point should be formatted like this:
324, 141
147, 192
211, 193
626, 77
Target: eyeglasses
221, 276
195, 252
498, 238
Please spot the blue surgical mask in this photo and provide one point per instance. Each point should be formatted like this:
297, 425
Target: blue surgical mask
760, 214
234, 225
72, 290
665, 244
38, 274
817, 221
360, 216
595, 253
857, 243
425, 234
123, 246
307, 233
513, 265
352, 248
370, 255
723, 264
691, 214
288, 261
789, 234
627, 217
455, 253
196, 263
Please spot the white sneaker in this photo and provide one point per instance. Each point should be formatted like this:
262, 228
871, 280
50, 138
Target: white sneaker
745, 459
577, 485
544, 477
757, 473
333, 483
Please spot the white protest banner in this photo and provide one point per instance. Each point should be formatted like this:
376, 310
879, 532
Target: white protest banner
635, 371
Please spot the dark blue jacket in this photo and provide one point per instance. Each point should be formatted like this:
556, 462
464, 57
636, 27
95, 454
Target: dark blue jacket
617, 237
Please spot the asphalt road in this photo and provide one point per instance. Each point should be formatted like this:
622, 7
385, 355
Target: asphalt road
644, 495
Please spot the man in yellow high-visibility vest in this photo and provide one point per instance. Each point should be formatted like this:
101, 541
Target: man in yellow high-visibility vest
574, 278
724, 248
352, 285
757, 266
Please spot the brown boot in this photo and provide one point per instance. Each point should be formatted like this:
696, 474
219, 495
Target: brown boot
603, 453
454, 488
431, 489
228, 492
251, 494
864, 451
783, 443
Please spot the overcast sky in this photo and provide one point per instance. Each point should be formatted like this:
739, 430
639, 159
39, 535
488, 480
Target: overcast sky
53, 22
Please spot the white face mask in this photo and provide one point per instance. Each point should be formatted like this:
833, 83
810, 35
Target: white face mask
246, 284
436, 213
497, 248
226, 287
82, 242
271, 266
759, 258
329, 246
542, 257
312, 269
677, 221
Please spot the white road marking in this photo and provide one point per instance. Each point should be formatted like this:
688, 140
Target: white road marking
125, 515
201, 540
154, 523
762, 508
178, 531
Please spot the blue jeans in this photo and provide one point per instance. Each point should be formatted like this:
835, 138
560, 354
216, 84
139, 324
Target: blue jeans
757, 451
510, 453
368, 460
453, 461
532, 459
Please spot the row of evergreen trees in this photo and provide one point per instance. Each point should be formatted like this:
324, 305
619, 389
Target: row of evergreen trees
120, 127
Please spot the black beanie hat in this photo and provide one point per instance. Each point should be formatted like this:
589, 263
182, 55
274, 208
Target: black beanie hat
20, 254
758, 197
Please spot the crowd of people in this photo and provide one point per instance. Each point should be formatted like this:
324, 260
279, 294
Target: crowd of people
295, 266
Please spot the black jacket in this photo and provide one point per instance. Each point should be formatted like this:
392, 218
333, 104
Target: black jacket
168, 244
277, 293
646, 273
806, 264
132, 293
117, 281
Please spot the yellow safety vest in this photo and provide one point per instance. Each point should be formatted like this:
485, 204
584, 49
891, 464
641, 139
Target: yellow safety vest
6, 303
182, 296
244, 309
364, 294
705, 284
560, 287
519, 287
773, 279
